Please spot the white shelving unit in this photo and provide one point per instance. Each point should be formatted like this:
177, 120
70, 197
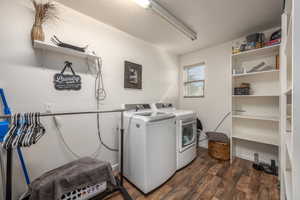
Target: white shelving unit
51, 47
288, 185
290, 180
288, 143
265, 118
255, 73
256, 117
257, 95
259, 138
288, 91
257, 52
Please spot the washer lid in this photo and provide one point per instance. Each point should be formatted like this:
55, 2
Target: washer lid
169, 108
179, 113
183, 112
153, 116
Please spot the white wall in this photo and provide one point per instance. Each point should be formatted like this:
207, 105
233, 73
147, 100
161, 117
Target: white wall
27, 74
216, 103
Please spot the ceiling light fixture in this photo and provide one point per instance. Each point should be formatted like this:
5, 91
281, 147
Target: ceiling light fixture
168, 16
143, 3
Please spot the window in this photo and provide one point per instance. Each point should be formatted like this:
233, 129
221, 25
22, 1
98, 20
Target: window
194, 80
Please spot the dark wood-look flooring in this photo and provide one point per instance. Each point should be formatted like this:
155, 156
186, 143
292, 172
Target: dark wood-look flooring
208, 179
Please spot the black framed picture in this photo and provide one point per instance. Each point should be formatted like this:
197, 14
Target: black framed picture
133, 75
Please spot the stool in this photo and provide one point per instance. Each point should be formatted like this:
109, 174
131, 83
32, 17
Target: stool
218, 145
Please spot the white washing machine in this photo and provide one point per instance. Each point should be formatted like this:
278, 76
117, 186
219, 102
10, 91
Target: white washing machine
186, 133
149, 146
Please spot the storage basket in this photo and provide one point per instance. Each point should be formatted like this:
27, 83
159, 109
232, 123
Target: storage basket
219, 150
242, 91
218, 145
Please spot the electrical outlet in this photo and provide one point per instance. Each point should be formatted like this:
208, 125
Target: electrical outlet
48, 107
256, 158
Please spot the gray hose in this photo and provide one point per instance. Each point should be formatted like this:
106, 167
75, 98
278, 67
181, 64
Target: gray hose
94, 155
100, 95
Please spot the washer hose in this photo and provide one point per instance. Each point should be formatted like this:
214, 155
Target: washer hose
100, 95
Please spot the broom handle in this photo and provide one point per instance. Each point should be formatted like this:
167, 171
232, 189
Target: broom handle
220, 123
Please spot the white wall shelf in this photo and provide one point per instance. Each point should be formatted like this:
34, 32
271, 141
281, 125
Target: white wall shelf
256, 73
265, 118
257, 137
50, 47
257, 52
259, 95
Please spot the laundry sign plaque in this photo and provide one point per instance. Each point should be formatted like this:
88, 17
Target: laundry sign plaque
67, 81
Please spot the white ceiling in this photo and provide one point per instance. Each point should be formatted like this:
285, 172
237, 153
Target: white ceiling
215, 21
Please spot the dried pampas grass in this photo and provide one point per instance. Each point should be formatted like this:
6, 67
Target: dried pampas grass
43, 12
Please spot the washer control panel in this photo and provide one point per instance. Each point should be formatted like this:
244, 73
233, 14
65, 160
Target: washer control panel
137, 107
163, 105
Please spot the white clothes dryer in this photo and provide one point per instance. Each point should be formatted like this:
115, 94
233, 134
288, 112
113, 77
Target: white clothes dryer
186, 133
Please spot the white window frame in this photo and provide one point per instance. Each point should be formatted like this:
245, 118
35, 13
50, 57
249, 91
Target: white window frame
185, 82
